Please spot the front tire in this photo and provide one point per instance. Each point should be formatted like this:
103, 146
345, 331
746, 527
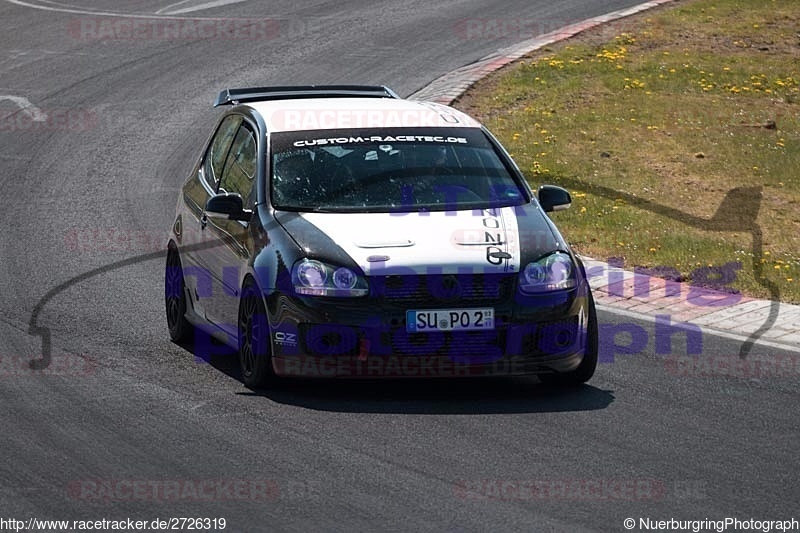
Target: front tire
588, 365
255, 351
180, 329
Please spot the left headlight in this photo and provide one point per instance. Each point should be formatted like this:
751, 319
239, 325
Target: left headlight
315, 278
553, 272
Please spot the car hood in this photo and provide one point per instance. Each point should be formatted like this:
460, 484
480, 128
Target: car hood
449, 242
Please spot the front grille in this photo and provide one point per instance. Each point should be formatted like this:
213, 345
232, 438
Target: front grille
443, 288
458, 345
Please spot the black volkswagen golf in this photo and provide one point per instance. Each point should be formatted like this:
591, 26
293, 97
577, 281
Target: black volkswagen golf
341, 231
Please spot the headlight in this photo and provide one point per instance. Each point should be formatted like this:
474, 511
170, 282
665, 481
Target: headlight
551, 273
312, 274
315, 278
344, 278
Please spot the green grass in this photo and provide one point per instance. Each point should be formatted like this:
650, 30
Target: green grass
652, 129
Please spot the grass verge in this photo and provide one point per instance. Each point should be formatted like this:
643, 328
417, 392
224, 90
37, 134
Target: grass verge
651, 131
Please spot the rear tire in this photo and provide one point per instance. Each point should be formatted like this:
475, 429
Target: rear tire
586, 369
180, 329
255, 350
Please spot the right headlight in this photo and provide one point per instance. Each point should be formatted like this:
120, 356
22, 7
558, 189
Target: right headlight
553, 272
315, 278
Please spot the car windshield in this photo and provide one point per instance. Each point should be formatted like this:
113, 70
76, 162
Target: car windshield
399, 170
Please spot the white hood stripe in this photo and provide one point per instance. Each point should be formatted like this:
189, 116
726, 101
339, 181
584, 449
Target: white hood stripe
448, 242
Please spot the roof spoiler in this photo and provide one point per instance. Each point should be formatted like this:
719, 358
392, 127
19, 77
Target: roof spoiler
290, 92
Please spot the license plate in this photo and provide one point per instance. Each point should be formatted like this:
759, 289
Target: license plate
449, 320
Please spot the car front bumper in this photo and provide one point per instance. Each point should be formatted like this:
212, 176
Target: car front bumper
335, 338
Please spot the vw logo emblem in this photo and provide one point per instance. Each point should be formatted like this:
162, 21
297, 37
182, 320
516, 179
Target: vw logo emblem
447, 288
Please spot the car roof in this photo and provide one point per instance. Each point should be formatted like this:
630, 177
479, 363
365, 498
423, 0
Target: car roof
283, 115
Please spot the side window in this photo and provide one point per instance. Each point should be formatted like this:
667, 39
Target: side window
218, 151
240, 167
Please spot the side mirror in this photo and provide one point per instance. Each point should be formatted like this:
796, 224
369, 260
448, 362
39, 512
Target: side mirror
554, 198
228, 205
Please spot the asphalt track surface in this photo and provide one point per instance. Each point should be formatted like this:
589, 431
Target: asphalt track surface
333, 456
